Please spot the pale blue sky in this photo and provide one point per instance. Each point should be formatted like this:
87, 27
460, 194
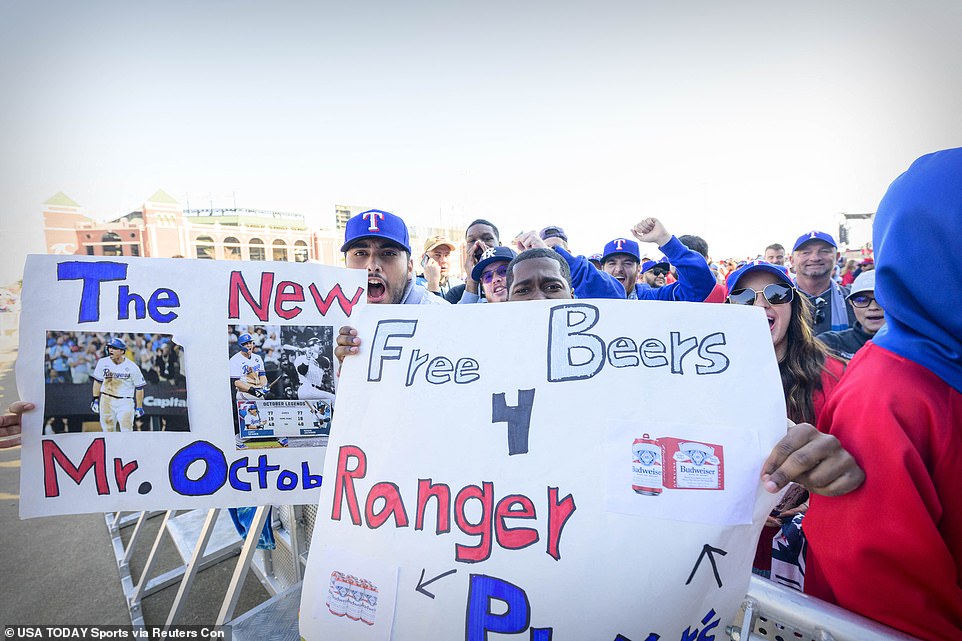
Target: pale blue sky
744, 122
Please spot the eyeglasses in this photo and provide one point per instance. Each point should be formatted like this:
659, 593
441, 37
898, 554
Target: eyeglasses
658, 271
775, 294
500, 271
861, 300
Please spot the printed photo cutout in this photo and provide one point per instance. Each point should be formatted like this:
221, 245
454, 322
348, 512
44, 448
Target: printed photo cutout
114, 382
282, 385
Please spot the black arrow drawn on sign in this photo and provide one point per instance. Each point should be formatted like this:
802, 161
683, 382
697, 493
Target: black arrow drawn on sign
707, 549
423, 584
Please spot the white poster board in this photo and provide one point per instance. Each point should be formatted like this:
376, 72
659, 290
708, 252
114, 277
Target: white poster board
554, 469
201, 441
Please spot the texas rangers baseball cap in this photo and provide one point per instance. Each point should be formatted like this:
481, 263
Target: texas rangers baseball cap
651, 264
595, 258
758, 265
814, 235
621, 246
376, 223
491, 255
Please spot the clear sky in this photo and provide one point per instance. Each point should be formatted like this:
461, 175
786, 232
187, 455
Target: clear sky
743, 122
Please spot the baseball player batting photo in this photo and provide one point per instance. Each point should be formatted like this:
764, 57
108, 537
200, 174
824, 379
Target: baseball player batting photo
287, 372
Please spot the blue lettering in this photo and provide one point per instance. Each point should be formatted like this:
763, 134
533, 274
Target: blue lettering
92, 275
124, 299
262, 468
309, 481
235, 482
286, 480
163, 298
214, 477
480, 621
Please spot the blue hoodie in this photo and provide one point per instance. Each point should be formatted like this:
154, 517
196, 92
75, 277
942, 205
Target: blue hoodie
920, 218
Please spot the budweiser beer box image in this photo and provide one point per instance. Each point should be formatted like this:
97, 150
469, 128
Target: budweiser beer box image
691, 465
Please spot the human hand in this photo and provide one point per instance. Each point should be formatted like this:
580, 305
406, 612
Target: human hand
347, 343
650, 230
813, 459
95, 405
528, 240
432, 273
139, 412
10, 427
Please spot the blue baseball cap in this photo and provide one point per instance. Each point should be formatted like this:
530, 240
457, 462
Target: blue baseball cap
758, 265
621, 246
814, 235
491, 255
553, 231
375, 223
651, 264
595, 258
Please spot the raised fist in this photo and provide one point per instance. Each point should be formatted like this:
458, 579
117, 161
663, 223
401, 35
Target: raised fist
650, 230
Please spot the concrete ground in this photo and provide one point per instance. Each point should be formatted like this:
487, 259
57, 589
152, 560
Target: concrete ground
62, 570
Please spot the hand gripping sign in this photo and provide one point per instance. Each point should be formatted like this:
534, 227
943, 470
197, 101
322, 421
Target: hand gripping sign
175, 384
485, 473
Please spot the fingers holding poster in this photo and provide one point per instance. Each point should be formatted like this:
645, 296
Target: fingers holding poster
114, 382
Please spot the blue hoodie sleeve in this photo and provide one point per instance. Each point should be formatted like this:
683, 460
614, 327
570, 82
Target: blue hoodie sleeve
589, 281
695, 280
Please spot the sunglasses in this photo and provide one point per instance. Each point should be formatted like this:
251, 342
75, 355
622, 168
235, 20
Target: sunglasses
861, 300
500, 271
658, 271
775, 294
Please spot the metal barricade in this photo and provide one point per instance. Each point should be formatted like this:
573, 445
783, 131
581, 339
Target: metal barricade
772, 612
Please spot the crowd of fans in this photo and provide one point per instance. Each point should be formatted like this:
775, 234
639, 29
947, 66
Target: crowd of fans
881, 378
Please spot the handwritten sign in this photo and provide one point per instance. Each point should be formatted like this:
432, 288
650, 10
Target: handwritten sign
550, 470
174, 384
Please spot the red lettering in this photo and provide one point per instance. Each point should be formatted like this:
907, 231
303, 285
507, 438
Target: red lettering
344, 482
519, 537
295, 295
558, 515
95, 457
239, 286
441, 492
392, 505
336, 294
121, 472
480, 552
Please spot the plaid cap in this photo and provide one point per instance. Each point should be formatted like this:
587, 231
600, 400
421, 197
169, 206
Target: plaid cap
375, 223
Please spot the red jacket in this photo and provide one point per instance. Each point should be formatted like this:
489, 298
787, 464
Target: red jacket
892, 550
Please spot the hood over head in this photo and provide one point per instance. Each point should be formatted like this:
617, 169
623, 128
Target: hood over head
919, 215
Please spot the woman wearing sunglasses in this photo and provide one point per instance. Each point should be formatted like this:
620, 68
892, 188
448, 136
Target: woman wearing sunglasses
809, 373
491, 273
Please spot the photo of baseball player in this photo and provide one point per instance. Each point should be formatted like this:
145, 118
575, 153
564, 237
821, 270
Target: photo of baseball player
276, 366
118, 390
114, 382
247, 370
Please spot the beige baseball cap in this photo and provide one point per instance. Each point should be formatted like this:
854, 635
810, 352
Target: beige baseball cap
437, 241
